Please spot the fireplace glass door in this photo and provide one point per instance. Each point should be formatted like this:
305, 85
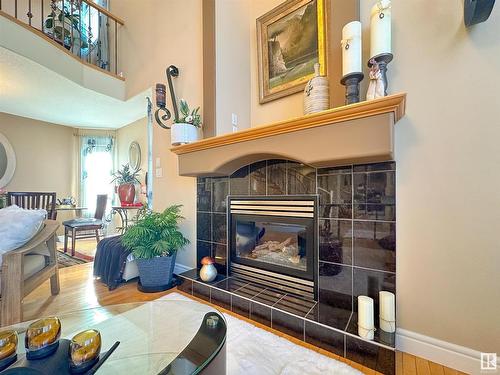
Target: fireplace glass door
279, 244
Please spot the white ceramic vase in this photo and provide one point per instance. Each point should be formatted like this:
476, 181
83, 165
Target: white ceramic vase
316, 93
182, 133
208, 273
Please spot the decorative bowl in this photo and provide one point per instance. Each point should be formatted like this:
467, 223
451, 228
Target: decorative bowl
42, 337
8, 348
84, 350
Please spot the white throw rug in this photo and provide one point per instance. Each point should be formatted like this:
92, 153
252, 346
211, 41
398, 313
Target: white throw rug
254, 351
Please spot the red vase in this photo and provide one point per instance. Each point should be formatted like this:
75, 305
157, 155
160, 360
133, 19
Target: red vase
126, 193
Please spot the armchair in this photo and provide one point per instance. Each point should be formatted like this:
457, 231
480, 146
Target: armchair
26, 268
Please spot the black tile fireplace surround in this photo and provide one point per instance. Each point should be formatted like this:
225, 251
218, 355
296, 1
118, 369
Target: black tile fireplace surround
356, 253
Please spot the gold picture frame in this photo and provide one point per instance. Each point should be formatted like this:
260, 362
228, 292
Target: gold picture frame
288, 69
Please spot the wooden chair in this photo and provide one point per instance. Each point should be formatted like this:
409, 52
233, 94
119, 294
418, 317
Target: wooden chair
93, 225
26, 268
34, 200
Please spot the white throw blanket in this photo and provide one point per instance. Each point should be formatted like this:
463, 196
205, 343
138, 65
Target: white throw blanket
18, 226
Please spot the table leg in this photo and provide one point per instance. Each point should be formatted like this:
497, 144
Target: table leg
65, 239
73, 241
122, 220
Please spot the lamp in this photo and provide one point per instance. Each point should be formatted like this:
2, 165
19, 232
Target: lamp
161, 98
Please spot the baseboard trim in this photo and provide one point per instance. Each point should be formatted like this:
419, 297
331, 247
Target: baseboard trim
445, 353
180, 268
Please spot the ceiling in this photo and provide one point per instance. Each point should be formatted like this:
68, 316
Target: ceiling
31, 90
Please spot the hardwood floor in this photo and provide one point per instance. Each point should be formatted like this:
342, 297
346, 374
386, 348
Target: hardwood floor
79, 291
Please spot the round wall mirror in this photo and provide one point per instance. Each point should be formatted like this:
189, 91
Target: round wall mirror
134, 156
7, 161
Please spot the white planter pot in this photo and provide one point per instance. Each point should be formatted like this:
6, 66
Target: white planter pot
183, 133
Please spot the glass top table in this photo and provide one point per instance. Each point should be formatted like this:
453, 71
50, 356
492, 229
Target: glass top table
158, 337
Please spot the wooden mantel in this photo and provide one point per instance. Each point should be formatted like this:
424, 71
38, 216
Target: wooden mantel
356, 133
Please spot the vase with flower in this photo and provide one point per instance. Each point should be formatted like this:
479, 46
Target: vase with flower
126, 179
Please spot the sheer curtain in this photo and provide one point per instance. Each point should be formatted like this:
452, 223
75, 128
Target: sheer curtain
96, 170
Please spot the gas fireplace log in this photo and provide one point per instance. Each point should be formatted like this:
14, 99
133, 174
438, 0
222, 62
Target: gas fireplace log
274, 246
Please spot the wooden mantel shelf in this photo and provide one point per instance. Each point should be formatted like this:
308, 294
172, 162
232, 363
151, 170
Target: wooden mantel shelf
361, 132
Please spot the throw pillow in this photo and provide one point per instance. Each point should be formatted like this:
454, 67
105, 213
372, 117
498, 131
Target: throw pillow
18, 226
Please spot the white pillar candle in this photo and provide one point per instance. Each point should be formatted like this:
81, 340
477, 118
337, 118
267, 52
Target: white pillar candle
380, 28
366, 327
351, 48
387, 302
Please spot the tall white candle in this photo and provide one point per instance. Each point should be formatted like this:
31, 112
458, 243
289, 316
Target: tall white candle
380, 28
351, 48
366, 325
387, 302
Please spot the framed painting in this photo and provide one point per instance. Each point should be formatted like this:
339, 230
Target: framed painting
291, 38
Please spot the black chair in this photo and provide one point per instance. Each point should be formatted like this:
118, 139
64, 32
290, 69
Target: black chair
93, 225
33, 201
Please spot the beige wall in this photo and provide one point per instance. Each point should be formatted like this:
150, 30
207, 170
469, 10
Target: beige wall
232, 33
44, 155
165, 33
138, 132
447, 182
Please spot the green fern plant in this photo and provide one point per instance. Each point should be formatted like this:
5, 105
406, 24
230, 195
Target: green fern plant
156, 234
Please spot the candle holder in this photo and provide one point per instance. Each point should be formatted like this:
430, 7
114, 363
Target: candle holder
382, 60
351, 82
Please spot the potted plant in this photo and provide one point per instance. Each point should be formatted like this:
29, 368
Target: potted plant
64, 26
154, 242
185, 128
126, 179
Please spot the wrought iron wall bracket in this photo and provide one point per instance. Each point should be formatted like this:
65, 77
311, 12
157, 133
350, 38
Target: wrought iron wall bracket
161, 119
162, 114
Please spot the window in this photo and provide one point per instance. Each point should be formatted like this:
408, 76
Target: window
96, 169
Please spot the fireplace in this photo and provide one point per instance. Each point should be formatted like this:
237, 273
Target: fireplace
273, 242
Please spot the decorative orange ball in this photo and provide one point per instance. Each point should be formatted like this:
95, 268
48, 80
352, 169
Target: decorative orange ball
207, 260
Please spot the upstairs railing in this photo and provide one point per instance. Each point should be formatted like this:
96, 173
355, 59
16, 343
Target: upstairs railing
83, 28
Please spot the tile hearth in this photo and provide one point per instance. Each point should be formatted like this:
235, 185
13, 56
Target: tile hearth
355, 246
331, 328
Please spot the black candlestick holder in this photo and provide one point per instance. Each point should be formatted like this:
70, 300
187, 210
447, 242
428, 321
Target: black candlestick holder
351, 82
382, 60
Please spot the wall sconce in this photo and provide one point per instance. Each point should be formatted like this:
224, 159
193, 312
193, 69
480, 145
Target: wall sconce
161, 98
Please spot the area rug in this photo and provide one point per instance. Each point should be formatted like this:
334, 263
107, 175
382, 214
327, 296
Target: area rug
66, 260
85, 248
254, 351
